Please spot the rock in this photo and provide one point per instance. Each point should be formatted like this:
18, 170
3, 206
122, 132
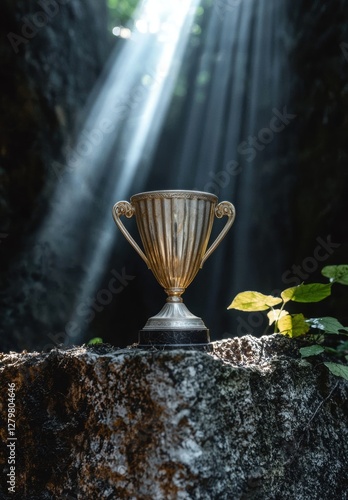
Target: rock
248, 421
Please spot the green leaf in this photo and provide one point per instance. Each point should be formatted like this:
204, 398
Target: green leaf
293, 325
253, 301
311, 350
343, 347
275, 315
327, 324
314, 292
331, 350
95, 341
339, 274
338, 369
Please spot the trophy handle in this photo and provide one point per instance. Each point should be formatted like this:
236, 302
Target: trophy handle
223, 208
125, 208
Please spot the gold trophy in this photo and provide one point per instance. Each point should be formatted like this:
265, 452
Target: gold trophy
175, 228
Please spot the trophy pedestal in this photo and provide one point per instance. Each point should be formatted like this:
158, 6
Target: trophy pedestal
174, 327
174, 339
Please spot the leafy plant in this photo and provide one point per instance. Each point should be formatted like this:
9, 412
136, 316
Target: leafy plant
95, 341
296, 325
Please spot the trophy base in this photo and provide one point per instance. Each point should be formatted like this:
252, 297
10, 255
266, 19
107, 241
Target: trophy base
174, 327
175, 339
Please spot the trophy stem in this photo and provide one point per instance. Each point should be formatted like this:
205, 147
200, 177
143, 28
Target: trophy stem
174, 294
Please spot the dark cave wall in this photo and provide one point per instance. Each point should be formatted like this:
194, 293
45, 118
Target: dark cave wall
320, 90
320, 96
52, 53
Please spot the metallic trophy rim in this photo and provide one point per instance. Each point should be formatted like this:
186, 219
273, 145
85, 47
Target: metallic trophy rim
175, 193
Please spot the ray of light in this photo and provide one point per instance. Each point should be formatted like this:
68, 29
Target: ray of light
113, 152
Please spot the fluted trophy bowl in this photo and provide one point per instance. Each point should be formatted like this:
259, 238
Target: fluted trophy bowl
174, 228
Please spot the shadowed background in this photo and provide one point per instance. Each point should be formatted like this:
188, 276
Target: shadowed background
246, 99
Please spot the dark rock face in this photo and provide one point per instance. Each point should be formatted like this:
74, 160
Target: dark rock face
249, 421
320, 100
52, 52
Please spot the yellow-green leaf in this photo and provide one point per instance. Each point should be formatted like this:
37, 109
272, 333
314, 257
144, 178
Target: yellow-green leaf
285, 325
339, 274
275, 315
293, 325
253, 301
314, 292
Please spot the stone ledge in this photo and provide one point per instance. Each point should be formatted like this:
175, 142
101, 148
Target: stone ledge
249, 421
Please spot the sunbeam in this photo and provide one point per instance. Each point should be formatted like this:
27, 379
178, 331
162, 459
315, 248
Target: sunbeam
233, 82
113, 152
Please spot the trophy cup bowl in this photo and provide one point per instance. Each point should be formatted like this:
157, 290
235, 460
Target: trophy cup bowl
174, 228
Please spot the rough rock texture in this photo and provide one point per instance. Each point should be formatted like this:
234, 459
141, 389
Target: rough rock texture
249, 421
